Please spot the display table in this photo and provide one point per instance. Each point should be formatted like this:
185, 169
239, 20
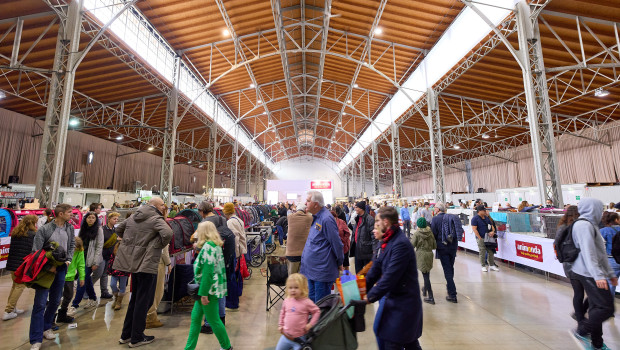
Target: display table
522, 249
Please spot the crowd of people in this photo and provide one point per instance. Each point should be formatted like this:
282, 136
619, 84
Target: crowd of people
318, 239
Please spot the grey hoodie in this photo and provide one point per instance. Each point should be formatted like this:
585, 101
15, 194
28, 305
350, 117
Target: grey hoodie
592, 260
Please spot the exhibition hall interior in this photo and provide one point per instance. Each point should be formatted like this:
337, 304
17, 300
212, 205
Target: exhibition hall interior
310, 174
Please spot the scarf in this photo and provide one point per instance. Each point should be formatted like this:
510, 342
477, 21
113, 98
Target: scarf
388, 235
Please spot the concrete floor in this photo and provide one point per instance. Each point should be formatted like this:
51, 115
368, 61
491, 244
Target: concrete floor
510, 309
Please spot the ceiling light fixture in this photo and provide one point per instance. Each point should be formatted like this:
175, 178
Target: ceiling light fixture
252, 86
600, 92
485, 136
225, 32
349, 101
378, 31
189, 161
355, 86
457, 147
73, 122
259, 101
2, 95
265, 112
200, 166
151, 148
344, 113
119, 137
495, 134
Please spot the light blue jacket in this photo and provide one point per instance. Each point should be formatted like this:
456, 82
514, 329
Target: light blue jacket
592, 259
323, 252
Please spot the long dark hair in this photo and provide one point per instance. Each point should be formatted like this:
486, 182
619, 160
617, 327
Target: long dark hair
570, 216
89, 232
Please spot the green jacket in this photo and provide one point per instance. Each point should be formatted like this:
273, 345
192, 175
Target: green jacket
77, 265
209, 271
424, 242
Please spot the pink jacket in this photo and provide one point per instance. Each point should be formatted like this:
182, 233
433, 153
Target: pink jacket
294, 316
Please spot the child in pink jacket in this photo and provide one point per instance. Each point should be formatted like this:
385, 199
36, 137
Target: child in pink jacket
295, 311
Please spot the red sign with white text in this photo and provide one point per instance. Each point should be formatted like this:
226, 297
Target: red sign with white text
4, 252
529, 251
321, 185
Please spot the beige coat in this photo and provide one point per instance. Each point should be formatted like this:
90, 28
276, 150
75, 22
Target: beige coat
144, 236
235, 224
298, 229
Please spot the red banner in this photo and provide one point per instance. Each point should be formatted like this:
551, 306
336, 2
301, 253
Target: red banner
321, 185
4, 252
529, 251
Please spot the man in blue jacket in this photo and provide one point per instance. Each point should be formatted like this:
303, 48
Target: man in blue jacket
323, 255
442, 226
404, 215
393, 282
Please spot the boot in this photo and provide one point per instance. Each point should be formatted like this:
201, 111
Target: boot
63, 318
119, 301
152, 321
115, 295
430, 298
223, 320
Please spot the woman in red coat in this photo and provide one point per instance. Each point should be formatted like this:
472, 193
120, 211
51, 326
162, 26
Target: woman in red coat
345, 237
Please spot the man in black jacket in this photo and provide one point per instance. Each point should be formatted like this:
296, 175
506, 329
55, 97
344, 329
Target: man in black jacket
446, 251
365, 242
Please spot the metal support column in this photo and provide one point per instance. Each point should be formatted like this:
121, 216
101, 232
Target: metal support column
235, 165
375, 169
355, 179
170, 137
538, 108
211, 164
348, 175
470, 180
396, 162
363, 173
259, 181
248, 173
432, 120
53, 144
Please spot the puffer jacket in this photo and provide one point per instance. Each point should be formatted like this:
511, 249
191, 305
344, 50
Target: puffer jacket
19, 249
144, 235
424, 242
366, 244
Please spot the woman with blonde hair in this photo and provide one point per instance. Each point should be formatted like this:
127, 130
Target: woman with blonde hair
209, 273
22, 238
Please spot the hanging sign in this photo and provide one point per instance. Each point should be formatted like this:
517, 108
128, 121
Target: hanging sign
321, 185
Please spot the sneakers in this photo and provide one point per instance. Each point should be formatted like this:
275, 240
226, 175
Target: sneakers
485, 269
494, 268
18, 311
90, 304
9, 316
72, 311
206, 329
604, 347
35, 346
49, 334
148, 339
106, 295
230, 348
451, 299
583, 342
124, 341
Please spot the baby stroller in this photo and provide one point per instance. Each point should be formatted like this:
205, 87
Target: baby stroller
335, 330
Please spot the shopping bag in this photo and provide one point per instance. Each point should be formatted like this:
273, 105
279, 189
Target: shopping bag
243, 267
350, 291
361, 286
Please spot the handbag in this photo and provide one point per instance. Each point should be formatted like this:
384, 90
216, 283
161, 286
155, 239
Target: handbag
192, 289
490, 242
243, 267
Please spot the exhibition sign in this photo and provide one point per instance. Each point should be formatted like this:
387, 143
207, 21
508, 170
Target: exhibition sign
320, 185
532, 251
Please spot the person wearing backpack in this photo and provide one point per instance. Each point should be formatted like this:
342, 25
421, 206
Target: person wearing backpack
46, 300
611, 229
591, 269
444, 225
22, 238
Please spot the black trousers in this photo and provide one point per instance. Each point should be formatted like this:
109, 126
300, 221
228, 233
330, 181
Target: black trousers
407, 227
394, 346
67, 296
360, 263
447, 262
580, 302
600, 309
142, 296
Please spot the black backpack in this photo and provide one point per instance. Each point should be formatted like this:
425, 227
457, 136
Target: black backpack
615, 247
564, 245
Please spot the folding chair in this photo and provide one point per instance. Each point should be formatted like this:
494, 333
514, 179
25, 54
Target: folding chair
277, 273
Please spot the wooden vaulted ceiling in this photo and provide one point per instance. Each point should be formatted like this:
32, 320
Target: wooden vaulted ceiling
196, 29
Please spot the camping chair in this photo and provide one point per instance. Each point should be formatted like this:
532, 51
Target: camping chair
277, 273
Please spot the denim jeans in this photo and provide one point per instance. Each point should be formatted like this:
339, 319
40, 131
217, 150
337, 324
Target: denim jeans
222, 303
43, 316
447, 262
317, 290
103, 280
286, 344
88, 288
121, 281
616, 267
